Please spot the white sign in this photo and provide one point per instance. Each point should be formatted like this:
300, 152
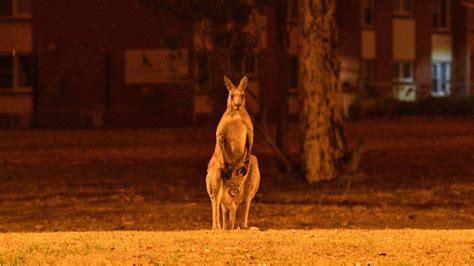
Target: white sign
145, 66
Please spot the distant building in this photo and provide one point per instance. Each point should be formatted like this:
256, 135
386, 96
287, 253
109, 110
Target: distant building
72, 63
407, 49
16, 63
106, 63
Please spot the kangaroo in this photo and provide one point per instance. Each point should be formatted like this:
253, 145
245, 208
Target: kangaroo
232, 171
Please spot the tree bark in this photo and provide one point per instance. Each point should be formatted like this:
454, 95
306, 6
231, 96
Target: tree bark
321, 115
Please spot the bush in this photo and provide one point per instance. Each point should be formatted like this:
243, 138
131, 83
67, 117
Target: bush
446, 106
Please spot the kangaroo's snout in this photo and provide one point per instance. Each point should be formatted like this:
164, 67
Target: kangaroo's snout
237, 100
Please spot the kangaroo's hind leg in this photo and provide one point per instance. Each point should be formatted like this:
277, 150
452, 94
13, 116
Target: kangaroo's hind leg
246, 214
232, 212
215, 201
251, 187
225, 217
214, 186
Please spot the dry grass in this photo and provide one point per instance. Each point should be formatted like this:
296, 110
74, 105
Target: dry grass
359, 247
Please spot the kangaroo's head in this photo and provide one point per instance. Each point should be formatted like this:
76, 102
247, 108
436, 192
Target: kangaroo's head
236, 98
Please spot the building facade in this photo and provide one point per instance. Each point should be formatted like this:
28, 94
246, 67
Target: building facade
74, 63
407, 49
16, 64
107, 63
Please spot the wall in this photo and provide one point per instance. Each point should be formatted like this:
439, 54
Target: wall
460, 17
348, 22
73, 40
423, 20
383, 69
16, 106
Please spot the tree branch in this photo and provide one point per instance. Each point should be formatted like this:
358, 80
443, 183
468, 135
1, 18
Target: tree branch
263, 129
266, 135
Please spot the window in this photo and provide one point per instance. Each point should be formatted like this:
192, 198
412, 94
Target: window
403, 7
404, 88
403, 72
367, 13
6, 8
16, 72
23, 7
441, 14
15, 8
6, 72
441, 75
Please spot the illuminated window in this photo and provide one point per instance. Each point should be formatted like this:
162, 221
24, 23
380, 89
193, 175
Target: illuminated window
441, 14
403, 72
15, 8
403, 7
404, 88
441, 74
367, 13
16, 72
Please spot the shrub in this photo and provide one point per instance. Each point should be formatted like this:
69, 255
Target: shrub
445, 106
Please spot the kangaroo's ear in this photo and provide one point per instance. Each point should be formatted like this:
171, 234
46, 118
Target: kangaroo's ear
243, 83
230, 86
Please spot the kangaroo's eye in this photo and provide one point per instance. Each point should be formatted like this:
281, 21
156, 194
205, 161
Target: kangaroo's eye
241, 97
232, 96
243, 171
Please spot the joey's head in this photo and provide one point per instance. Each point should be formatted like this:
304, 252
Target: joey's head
236, 98
236, 173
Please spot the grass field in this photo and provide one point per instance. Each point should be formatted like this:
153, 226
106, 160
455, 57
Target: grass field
349, 247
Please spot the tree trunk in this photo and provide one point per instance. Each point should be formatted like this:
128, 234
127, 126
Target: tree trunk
321, 114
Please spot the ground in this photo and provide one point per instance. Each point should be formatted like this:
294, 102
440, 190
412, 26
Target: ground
417, 173
145, 188
289, 247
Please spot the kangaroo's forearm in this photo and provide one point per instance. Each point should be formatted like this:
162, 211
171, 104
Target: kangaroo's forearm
220, 150
248, 146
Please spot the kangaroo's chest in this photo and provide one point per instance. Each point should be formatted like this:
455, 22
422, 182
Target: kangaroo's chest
235, 134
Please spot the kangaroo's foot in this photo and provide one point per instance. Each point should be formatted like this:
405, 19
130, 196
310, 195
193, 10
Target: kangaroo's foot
251, 228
